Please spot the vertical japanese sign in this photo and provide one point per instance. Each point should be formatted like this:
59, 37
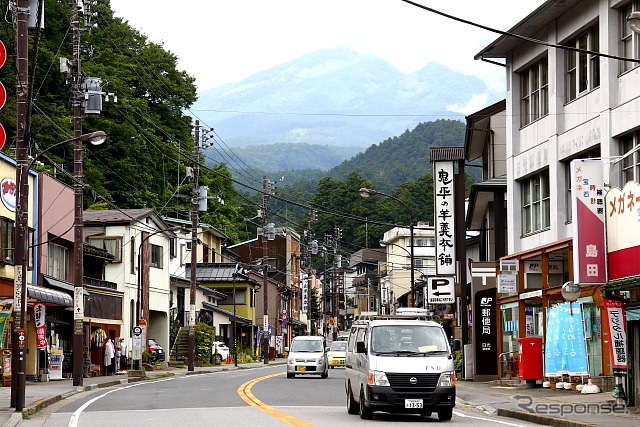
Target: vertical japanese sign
40, 314
444, 213
305, 294
588, 208
618, 336
623, 230
485, 331
565, 349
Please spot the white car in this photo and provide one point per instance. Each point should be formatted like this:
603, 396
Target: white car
219, 351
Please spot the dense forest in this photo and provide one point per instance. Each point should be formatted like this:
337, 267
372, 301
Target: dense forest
150, 141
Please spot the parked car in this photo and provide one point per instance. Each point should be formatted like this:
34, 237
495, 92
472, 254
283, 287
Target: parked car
219, 351
307, 356
157, 353
336, 354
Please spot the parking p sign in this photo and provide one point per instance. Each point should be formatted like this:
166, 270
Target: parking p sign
441, 290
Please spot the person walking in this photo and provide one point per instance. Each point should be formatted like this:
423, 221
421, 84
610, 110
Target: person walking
123, 355
116, 358
109, 354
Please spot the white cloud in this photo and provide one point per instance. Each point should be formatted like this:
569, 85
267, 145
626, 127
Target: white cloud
220, 42
477, 102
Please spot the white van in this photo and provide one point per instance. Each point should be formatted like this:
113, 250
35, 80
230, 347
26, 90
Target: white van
399, 363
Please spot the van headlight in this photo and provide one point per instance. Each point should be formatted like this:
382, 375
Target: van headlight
320, 361
290, 361
447, 379
378, 378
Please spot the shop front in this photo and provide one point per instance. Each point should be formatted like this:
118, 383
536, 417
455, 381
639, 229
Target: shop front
524, 312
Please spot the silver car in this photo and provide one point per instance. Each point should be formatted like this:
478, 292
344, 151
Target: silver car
307, 356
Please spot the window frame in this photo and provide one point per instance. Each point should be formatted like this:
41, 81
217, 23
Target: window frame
54, 250
629, 42
630, 165
117, 253
534, 96
582, 70
535, 203
156, 256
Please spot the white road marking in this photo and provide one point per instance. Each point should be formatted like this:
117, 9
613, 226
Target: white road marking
73, 421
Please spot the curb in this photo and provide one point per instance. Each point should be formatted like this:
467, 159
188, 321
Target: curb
541, 419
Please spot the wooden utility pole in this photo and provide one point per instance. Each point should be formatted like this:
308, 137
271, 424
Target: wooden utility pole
194, 248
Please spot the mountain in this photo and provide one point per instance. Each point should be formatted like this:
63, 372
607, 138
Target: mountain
333, 98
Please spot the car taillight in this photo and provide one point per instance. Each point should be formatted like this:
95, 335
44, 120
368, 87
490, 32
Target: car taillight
152, 348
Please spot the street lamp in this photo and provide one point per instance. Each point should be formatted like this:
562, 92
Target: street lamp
367, 192
21, 251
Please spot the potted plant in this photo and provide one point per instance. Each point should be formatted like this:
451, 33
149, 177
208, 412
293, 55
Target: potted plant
575, 382
553, 382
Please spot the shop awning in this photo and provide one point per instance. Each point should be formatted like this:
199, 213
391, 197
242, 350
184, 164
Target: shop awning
62, 285
49, 295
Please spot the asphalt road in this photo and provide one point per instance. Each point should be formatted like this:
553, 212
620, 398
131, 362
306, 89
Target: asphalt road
262, 396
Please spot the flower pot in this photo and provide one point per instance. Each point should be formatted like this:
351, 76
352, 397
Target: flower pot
552, 385
574, 386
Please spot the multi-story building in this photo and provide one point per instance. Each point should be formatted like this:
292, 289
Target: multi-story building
396, 280
564, 105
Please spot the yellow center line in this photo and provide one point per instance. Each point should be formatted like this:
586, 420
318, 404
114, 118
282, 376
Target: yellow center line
244, 391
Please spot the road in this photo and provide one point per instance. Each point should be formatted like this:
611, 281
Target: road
250, 397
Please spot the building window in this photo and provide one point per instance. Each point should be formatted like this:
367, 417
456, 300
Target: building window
156, 256
536, 212
534, 86
424, 242
424, 263
631, 164
629, 41
113, 245
583, 69
7, 236
58, 261
173, 247
240, 297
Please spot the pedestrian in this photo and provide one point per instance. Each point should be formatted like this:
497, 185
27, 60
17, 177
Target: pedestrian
123, 355
116, 358
109, 354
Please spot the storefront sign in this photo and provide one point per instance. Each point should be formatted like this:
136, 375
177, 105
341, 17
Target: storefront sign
565, 347
623, 231
6, 306
618, 335
485, 327
589, 248
507, 283
444, 213
531, 294
305, 294
8, 193
40, 314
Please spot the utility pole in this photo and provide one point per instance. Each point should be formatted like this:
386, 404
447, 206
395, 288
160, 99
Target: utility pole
194, 248
265, 265
78, 265
19, 338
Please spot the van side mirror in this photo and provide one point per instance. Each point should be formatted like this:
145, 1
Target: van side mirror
360, 348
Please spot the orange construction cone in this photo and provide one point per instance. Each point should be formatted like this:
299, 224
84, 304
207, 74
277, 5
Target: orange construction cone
228, 359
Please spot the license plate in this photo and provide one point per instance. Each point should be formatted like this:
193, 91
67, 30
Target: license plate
301, 368
413, 403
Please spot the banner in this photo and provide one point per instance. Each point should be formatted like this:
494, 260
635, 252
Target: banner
6, 307
305, 295
588, 210
565, 349
39, 311
618, 335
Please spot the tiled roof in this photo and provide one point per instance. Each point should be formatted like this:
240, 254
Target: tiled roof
115, 216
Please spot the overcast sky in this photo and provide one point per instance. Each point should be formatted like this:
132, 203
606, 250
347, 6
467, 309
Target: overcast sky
223, 41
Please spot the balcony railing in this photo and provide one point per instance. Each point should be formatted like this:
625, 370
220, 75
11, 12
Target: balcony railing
98, 283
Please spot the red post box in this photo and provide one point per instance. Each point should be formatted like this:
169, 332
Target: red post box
530, 358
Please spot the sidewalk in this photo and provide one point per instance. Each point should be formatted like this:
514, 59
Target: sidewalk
561, 408
545, 406
39, 395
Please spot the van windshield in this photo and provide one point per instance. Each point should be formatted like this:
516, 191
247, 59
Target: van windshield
414, 339
310, 346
